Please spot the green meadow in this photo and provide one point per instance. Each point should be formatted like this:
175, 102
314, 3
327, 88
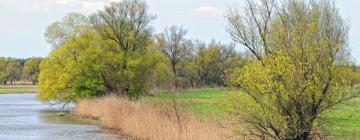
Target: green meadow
18, 88
344, 119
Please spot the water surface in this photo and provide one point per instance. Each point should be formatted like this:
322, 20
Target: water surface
22, 117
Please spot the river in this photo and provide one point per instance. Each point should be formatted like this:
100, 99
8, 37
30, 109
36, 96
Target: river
22, 117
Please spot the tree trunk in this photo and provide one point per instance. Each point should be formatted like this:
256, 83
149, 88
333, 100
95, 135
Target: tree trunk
126, 88
174, 72
303, 136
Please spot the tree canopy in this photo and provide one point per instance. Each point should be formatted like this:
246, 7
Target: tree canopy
114, 51
31, 69
301, 66
107, 57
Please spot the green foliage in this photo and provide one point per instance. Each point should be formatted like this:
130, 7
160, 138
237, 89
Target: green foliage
87, 63
301, 68
213, 60
10, 70
126, 24
162, 76
91, 63
93, 86
197, 64
93, 66
3, 74
31, 69
68, 72
13, 69
355, 78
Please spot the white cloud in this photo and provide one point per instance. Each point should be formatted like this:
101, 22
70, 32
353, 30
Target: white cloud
45, 5
62, 2
209, 10
89, 7
83, 6
34, 7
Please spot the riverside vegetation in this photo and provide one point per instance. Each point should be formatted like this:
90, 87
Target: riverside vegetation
145, 121
296, 72
19, 75
19, 71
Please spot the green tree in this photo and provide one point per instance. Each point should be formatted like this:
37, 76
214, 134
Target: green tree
72, 72
126, 24
3, 74
13, 70
114, 55
31, 69
355, 78
213, 60
301, 66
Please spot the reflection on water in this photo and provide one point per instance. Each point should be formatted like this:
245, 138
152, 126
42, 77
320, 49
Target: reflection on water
23, 117
56, 116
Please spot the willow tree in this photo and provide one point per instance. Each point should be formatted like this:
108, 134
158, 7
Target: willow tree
126, 23
300, 68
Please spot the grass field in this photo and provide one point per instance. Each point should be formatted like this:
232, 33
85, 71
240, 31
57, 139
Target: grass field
27, 88
204, 103
343, 120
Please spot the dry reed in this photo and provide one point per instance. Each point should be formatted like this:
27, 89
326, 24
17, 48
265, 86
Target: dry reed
145, 121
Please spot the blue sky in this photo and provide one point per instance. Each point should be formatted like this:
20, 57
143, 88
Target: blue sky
23, 22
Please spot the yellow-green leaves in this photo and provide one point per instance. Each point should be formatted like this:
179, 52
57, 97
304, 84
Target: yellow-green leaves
66, 67
93, 66
301, 68
31, 69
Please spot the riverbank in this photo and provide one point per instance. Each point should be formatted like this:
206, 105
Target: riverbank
146, 121
18, 88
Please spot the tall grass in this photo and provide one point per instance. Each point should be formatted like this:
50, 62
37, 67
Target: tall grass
145, 121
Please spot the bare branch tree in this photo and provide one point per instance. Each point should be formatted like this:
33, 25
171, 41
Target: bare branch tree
174, 46
126, 23
250, 27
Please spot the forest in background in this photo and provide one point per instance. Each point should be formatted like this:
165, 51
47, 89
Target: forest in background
24, 70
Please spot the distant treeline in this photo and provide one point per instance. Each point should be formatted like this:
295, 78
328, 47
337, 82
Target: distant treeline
12, 69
